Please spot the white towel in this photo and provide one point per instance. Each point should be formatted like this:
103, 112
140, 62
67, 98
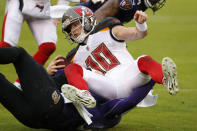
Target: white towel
149, 100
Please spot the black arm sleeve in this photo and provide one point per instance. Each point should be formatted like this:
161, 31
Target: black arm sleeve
72, 53
109, 22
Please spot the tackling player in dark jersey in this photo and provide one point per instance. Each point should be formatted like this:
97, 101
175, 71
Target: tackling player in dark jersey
124, 10
41, 105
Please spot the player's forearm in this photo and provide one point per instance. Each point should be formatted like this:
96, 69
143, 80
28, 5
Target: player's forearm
134, 34
142, 30
140, 18
128, 33
141, 34
110, 8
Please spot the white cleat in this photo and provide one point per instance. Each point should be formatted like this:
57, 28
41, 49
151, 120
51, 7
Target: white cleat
79, 96
170, 75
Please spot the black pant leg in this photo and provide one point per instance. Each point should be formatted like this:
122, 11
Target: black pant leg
14, 101
9, 54
38, 87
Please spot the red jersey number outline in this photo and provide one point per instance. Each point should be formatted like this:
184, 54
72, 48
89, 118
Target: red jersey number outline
104, 58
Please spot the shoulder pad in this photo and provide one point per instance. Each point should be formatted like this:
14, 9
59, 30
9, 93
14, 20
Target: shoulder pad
109, 22
72, 53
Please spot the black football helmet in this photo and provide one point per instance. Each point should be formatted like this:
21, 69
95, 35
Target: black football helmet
86, 18
155, 4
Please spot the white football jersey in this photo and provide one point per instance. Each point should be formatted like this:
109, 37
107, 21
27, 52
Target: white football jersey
103, 53
111, 57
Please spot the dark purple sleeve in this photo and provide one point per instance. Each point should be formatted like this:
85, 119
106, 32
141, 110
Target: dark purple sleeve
60, 71
120, 106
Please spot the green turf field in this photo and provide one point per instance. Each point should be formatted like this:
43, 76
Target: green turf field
173, 33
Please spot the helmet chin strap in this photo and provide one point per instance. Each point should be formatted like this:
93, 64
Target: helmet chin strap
81, 37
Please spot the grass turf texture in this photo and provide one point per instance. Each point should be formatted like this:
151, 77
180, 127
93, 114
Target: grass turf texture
172, 32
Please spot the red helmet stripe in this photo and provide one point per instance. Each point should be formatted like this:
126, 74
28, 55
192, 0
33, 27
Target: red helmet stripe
88, 12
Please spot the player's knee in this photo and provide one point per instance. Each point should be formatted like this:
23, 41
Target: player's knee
4, 44
47, 48
21, 50
73, 68
145, 58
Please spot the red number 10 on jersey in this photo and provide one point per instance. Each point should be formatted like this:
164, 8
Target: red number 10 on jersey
102, 59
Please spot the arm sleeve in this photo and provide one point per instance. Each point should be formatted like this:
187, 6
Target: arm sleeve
72, 53
108, 22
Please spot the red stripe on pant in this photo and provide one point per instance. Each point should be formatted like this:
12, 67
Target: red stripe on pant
2, 43
4, 21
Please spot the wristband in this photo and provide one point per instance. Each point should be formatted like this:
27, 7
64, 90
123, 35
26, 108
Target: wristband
141, 27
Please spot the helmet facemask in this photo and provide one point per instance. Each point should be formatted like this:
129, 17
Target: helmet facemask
70, 33
86, 23
155, 4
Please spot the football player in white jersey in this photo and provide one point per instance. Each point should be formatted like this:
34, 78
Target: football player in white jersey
102, 48
36, 14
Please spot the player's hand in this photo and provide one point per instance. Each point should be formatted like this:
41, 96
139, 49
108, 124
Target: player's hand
54, 66
140, 17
